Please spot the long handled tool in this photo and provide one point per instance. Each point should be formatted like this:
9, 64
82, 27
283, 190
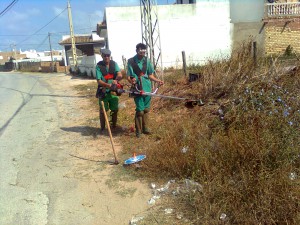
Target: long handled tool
189, 103
109, 132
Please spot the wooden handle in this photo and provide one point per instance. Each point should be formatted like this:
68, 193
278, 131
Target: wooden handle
109, 132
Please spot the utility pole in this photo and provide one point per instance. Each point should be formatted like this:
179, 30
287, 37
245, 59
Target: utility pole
151, 33
51, 66
13, 49
72, 36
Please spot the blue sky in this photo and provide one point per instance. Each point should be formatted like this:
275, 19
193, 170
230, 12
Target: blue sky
25, 23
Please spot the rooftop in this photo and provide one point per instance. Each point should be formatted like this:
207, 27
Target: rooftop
82, 39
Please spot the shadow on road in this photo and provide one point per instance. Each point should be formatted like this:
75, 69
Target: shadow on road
92, 160
93, 131
84, 130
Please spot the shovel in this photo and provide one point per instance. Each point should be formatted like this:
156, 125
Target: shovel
109, 132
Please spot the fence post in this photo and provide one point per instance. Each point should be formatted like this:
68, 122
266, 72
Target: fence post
124, 62
184, 63
255, 53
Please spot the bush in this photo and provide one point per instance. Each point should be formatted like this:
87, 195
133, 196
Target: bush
242, 146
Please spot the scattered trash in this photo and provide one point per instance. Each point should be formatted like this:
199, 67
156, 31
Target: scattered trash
293, 176
151, 201
176, 192
152, 185
223, 217
220, 112
195, 186
169, 211
179, 216
134, 220
166, 187
156, 196
134, 159
184, 149
185, 187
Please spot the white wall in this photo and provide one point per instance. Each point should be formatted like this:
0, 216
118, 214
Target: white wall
202, 30
87, 64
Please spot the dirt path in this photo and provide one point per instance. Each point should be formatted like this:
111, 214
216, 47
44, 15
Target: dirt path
108, 194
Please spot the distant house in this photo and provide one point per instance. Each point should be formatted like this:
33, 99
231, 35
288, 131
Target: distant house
87, 49
45, 56
8, 56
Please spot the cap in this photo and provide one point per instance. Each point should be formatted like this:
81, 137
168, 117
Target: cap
105, 51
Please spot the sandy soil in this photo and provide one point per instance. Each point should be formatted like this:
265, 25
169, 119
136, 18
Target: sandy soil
110, 195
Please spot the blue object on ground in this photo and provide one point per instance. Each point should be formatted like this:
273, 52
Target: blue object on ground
135, 159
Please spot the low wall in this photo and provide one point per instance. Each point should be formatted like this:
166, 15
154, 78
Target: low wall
44, 67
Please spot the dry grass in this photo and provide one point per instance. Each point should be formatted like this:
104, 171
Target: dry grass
242, 146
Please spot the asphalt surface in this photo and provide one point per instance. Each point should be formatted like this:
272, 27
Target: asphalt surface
24, 117
52, 172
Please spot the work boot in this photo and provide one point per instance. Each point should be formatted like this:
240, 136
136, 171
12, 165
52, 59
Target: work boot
138, 123
102, 120
114, 118
145, 120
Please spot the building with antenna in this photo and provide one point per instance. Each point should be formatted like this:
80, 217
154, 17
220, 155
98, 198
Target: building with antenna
183, 27
206, 29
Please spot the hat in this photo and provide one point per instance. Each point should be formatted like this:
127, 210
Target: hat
105, 51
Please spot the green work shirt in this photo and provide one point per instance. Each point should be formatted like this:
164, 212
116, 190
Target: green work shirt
99, 75
146, 83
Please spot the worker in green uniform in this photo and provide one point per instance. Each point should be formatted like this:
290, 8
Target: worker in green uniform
108, 75
140, 72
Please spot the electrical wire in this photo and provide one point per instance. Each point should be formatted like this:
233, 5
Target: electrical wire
41, 27
36, 33
17, 35
8, 7
54, 33
43, 42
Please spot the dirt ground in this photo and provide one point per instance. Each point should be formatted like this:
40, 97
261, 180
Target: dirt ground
111, 194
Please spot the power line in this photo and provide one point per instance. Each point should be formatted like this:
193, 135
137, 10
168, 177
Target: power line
8, 7
43, 42
41, 27
54, 33
17, 35
36, 33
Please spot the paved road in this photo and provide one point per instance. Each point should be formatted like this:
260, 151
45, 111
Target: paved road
52, 170
23, 118
32, 165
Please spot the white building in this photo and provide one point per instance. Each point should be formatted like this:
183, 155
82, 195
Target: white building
57, 55
202, 30
87, 50
206, 28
